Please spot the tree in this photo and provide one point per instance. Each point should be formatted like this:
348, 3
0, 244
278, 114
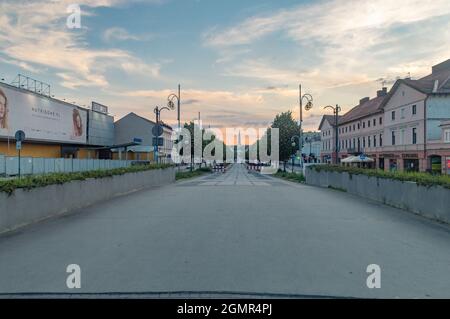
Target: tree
288, 128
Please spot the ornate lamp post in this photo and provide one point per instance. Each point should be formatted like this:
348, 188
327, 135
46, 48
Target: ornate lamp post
170, 103
336, 109
309, 105
293, 145
157, 111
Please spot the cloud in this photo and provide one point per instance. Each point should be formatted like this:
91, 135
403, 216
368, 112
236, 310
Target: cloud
34, 34
120, 34
338, 43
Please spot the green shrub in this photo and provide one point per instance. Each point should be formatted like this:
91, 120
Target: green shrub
293, 177
424, 179
34, 181
188, 174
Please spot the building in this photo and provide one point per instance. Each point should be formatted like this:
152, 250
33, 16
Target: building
327, 130
133, 127
405, 129
53, 128
415, 114
361, 129
312, 146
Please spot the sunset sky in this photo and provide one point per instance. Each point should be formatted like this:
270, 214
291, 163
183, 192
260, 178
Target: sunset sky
239, 62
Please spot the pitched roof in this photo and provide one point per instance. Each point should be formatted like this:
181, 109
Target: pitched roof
147, 120
364, 109
438, 82
329, 119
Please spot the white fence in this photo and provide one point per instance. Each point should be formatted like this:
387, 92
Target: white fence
9, 165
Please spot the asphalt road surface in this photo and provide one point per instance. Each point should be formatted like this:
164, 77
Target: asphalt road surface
233, 234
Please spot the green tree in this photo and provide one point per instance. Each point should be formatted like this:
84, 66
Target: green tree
288, 128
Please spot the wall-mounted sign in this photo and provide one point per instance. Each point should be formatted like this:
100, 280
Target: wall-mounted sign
97, 107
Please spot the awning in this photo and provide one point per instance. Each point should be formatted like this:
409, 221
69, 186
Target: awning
358, 159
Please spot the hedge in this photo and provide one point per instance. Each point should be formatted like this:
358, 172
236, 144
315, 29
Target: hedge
424, 179
34, 181
293, 177
188, 174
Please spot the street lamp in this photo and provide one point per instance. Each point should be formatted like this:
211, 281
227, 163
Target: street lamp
309, 105
336, 109
293, 145
157, 111
171, 104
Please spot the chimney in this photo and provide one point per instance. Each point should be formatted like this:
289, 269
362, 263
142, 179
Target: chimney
364, 100
441, 66
382, 92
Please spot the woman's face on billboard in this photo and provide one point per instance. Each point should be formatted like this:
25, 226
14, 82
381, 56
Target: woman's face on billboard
78, 121
2, 106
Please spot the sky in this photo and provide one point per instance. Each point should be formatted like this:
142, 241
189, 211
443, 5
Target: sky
239, 63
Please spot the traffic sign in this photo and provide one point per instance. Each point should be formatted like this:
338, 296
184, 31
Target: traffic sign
157, 130
18, 145
20, 136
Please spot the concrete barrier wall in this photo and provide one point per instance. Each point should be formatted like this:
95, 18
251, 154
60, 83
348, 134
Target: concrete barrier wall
432, 202
25, 207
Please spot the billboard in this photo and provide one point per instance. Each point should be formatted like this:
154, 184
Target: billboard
41, 118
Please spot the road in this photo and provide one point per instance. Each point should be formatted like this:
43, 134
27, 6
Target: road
232, 233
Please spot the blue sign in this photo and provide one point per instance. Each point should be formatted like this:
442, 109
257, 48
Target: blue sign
362, 157
137, 140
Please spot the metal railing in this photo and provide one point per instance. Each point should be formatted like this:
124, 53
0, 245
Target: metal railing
9, 165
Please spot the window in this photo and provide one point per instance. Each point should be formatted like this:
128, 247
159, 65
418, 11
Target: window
368, 123
364, 124
447, 136
354, 127
393, 115
364, 142
402, 113
359, 126
374, 122
368, 141
381, 121
402, 137
354, 143
414, 109
381, 140
374, 141
393, 137
414, 135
